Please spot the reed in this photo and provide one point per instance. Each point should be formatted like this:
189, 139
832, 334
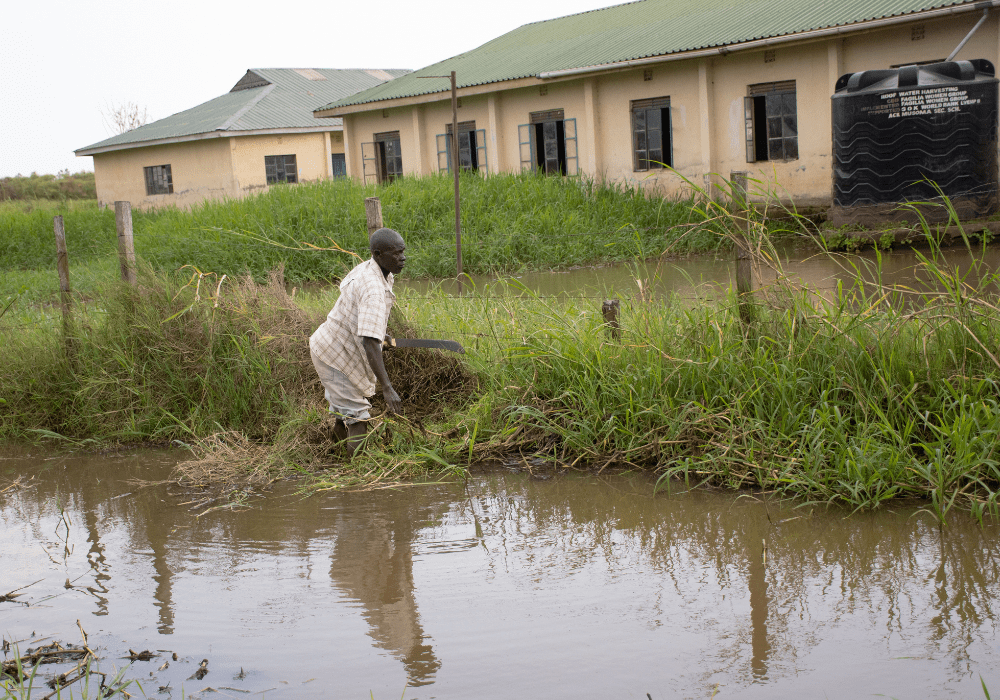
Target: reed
858, 396
510, 223
866, 395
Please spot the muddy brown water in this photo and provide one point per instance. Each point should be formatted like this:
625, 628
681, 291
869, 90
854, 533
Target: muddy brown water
708, 276
507, 586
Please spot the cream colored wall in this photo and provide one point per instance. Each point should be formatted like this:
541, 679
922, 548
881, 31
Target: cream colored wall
518, 105
707, 113
337, 142
248, 154
894, 46
363, 127
679, 82
200, 170
209, 168
436, 117
809, 178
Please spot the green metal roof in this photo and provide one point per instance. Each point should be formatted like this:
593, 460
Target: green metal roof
635, 30
265, 98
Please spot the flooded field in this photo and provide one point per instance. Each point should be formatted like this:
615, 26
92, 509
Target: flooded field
709, 275
507, 586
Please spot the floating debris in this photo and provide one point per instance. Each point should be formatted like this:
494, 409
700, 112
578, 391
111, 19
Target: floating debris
10, 597
144, 655
201, 672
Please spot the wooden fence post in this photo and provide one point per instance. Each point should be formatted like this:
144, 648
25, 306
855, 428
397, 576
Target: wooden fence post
741, 213
610, 309
126, 246
62, 265
373, 212
456, 169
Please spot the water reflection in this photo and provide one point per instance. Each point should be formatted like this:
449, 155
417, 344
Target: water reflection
372, 562
347, 594
98, 562
708, 276
157, 538
757, 579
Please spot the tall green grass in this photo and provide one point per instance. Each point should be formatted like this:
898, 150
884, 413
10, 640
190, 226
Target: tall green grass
155, 363
510, 222
858, 396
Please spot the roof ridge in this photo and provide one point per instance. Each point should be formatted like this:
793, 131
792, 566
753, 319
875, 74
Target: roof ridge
576, 14
347, 69
640, 29
246, 108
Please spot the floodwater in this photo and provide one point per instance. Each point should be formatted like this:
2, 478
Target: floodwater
708, 276
507, 586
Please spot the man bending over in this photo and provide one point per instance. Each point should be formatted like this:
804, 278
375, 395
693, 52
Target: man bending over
347, 349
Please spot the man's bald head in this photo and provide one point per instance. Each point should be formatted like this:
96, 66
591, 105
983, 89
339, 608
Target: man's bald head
388, 250
384, 239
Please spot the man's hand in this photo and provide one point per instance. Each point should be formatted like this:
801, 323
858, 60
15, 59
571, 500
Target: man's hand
373, 350
392, 400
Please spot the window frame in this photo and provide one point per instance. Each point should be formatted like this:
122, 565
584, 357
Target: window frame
338, 165
557, 136
475, 148
640, 126
279, 165
777, 105
384, 150
159, 179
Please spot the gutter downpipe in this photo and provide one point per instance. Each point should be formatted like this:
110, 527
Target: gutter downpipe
788, 38
968, 36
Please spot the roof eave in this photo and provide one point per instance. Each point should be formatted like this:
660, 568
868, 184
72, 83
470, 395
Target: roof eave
91, 151
423, 98
805, 36
567, 73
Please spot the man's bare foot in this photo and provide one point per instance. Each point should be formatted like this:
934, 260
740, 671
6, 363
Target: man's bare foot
355, 435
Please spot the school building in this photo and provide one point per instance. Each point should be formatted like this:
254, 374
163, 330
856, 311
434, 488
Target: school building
260, 133
706, 87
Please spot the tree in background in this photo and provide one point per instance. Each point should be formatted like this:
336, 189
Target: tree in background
124, 117
52, 187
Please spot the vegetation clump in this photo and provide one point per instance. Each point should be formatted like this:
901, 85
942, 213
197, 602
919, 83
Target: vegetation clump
510, 223
59, 187
857, 396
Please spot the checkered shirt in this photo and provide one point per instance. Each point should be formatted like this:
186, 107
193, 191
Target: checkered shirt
362, 310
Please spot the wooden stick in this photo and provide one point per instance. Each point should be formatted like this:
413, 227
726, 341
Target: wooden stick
456, 167
744, 281
610, 309
126, 245
373, 213
62, 265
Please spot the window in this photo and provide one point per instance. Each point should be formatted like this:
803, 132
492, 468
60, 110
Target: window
339, 165
280, 169
382, 158
471, 148
651, 142
771, 122
158, 179
548, 143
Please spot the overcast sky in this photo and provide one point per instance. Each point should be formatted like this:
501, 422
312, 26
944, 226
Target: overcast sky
62, 63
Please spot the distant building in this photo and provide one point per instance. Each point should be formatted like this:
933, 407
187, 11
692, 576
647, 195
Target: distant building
707, 87
260, 133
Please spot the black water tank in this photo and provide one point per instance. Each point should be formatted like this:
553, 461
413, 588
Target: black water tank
895, 130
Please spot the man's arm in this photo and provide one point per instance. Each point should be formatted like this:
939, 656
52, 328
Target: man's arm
373, 349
